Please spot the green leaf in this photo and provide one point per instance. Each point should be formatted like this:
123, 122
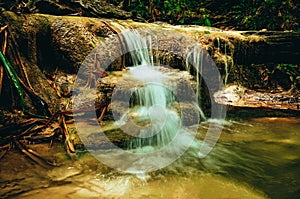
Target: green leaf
181, 20
207, 22
14, 77
93, 44
167, 4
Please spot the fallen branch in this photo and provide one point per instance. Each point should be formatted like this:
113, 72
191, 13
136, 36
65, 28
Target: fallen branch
64, 130
1, 77
42, 158
100, 118
4, 52
2, 153
16, 128
36, 159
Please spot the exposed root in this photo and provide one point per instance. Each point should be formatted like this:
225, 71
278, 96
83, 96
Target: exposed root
4, 46
33, 155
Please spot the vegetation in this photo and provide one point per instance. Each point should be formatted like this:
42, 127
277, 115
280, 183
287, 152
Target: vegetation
243, 14
292, 71
172, 11
263, 14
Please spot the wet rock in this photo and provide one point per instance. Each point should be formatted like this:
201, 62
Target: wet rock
189, 114
240, 97
106, 140
72, 43
231, 94
62, 173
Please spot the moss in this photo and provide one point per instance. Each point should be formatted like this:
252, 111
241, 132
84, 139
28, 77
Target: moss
14, 21
43, 23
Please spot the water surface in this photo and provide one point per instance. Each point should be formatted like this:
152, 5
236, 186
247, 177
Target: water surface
255, 158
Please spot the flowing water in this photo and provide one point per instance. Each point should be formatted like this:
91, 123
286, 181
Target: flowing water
255, 157
155, 100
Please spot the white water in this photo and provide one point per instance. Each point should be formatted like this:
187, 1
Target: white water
225, 59
151, 101
226, 66
162, 132
197, 62
140, 48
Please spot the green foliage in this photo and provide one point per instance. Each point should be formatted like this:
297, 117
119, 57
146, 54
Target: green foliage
293, 72
290, 69
243, 14
265, 14
172, 11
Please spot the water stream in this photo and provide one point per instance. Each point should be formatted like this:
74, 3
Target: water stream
255, 157
151, 101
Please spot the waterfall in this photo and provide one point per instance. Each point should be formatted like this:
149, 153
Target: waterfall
196, 55
140, 48
155, 109
225, 59
153, 106
226, 66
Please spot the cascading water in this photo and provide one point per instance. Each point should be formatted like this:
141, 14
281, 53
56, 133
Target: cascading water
160, 134
155, 109
226, 65
140, 48
225, 59
152, 102
197, 61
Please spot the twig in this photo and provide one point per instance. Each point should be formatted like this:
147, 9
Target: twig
18, 57
68, 112
3, 28
31, 156
64, 130
26, 131
1, 77
39, 156
102, 114
4, 43
16, 131
2, 153
5, 147
35, 155
4, 52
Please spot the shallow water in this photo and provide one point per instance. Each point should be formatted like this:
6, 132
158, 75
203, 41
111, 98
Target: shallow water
257, 158
266, 155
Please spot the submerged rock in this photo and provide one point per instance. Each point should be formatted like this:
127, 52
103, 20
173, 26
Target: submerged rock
63, 173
